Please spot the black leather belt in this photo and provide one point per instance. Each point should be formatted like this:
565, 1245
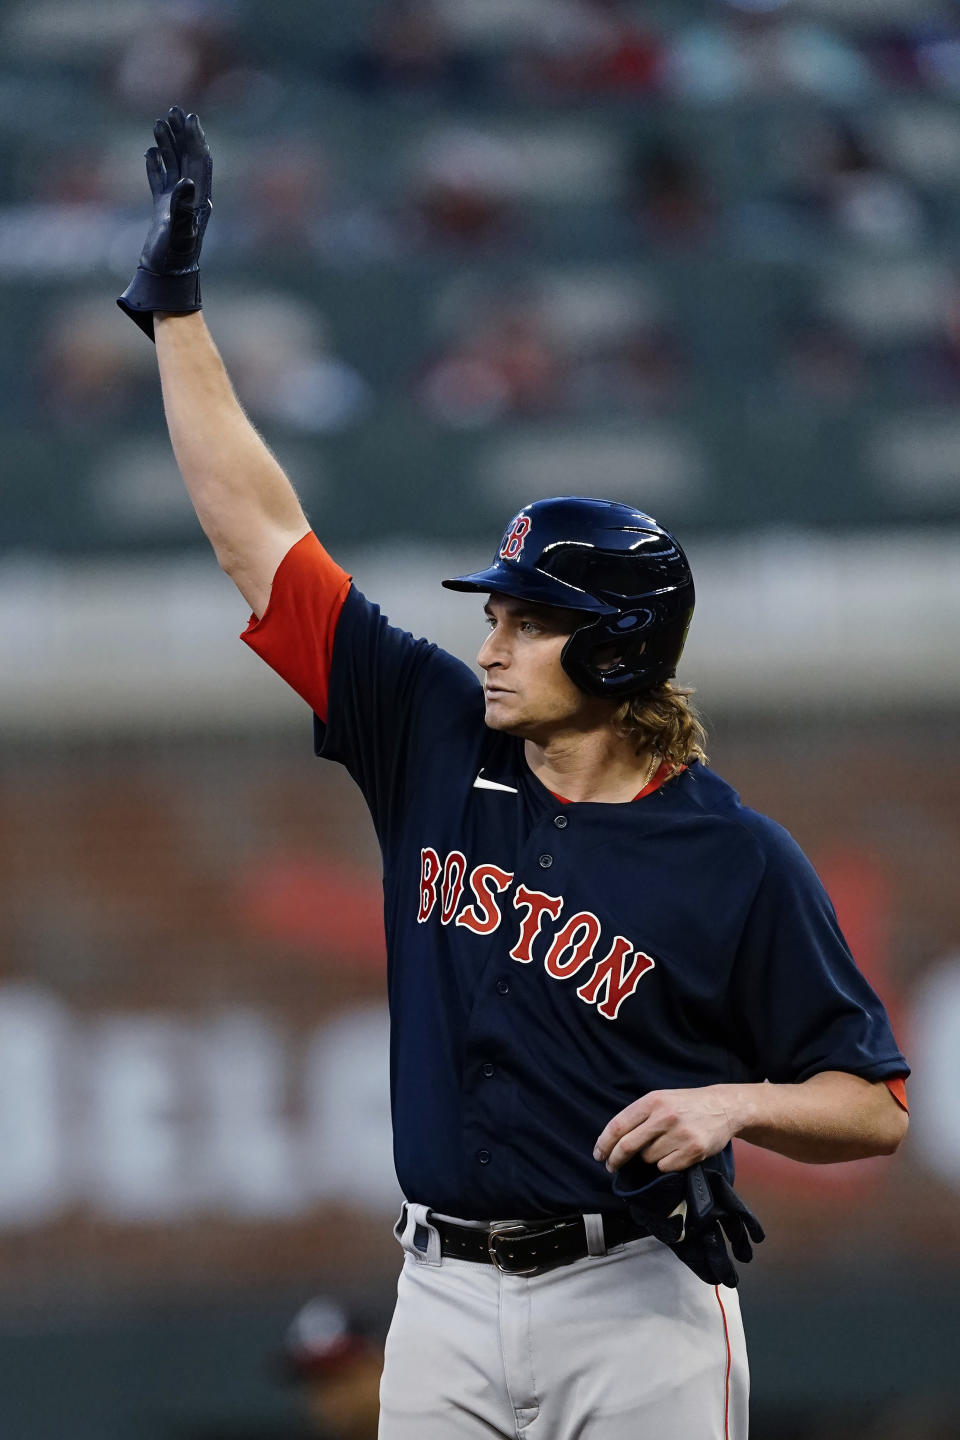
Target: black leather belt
524, 1249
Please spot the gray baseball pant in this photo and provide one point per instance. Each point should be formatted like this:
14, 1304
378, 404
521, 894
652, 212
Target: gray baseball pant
621, 1345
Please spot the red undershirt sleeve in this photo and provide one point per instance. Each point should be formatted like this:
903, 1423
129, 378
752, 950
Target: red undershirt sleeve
296, 632
898, 1089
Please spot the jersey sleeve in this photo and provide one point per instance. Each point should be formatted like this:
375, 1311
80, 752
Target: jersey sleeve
296, 632
805, 1004
387, 706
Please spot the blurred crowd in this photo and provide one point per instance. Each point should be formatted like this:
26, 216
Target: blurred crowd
695, 50
523, 169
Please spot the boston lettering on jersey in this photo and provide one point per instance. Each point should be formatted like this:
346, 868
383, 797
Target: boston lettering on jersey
567, 949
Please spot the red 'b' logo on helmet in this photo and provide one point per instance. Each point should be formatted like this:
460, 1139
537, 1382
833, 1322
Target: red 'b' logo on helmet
514, 538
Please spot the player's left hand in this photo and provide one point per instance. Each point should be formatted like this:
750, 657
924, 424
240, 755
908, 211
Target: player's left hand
671, 1129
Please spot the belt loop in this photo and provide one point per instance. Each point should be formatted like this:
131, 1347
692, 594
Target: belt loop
596, 1241
417, 1236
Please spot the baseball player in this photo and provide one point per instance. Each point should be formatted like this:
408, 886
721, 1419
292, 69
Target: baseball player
602, 966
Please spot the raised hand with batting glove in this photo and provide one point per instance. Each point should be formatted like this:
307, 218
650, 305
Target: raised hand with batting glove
180, 172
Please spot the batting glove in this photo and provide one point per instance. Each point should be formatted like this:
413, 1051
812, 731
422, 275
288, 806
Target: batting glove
180, 172
696, 1212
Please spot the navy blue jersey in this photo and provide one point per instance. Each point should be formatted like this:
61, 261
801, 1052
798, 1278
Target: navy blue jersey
548, 963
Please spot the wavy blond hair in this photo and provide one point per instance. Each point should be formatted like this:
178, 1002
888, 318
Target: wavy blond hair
663, 720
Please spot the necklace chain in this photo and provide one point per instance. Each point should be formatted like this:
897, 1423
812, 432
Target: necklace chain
651, 771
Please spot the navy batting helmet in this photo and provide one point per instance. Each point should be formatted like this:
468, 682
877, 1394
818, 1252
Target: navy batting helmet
615, 563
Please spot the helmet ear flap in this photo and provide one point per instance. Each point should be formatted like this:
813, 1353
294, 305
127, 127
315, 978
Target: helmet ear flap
641, 647
601, 660
576, 657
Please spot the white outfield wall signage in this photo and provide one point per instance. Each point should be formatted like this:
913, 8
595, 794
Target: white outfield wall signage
152, 1117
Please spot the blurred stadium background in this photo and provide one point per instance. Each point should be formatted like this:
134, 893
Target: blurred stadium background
697, 255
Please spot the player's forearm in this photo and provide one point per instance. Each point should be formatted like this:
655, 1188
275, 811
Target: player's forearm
243, 499
832, 1116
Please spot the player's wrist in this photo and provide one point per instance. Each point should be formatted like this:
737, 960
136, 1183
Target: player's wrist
743, 1104
149, 294
180, 319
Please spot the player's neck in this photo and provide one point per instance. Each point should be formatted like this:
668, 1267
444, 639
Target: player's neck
599, 766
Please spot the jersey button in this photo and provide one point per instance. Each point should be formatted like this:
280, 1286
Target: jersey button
561, 822
503, 987
484, 1157
487, 1069
546, 861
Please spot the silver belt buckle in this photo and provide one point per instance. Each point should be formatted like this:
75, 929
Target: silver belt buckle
505, 1229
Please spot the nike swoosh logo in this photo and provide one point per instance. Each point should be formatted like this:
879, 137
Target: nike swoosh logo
481, 784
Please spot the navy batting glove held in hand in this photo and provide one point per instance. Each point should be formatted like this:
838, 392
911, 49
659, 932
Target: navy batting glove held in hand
180, 172
696, 1212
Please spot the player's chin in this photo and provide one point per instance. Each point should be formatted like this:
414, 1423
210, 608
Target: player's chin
500, 714
495, 719
524, 727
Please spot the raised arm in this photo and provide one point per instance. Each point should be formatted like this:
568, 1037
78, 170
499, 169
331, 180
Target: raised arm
245, 503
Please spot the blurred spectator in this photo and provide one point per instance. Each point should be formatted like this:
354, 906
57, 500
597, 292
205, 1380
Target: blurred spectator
77, 175
646, 373
297, 212
88, 371
291, 193
503, 364
278, 350
937, 55
836, 358
667, 193
462, 190
68, 215
860, 194
50, 239
893, 55
410, 48
751, 50
280, 355
842, 181
336, 1364
570, 343
925, 368
589, 47
186, 51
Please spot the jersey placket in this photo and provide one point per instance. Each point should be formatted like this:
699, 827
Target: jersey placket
504, 1015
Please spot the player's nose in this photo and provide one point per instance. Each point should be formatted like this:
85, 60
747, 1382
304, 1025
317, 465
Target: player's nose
492, 651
